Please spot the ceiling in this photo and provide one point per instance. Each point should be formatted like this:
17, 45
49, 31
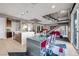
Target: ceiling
29, 11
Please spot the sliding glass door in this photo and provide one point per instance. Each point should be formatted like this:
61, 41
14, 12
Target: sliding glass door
74, 29
75, 22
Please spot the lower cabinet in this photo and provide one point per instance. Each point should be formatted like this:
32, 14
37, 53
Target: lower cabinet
9, 34
17, 37
33, 47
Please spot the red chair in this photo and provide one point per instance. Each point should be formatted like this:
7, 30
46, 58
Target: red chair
57, 33
43, 44
61, 50
43, 48
53, 32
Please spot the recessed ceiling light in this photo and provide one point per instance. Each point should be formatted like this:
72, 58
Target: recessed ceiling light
53, 6
63, 11
22, 13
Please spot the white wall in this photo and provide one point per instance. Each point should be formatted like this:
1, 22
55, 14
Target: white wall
2, 27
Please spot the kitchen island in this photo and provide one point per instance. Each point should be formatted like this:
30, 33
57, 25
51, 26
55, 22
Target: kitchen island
22, 36
33, 46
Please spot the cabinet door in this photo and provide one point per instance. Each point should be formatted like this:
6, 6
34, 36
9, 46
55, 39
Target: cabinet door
9, 34
8, 23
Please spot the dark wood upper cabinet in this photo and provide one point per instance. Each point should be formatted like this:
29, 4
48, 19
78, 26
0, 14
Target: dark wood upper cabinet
8, 23
8, 30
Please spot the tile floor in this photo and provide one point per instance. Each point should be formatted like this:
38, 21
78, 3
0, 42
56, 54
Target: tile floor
9, 45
